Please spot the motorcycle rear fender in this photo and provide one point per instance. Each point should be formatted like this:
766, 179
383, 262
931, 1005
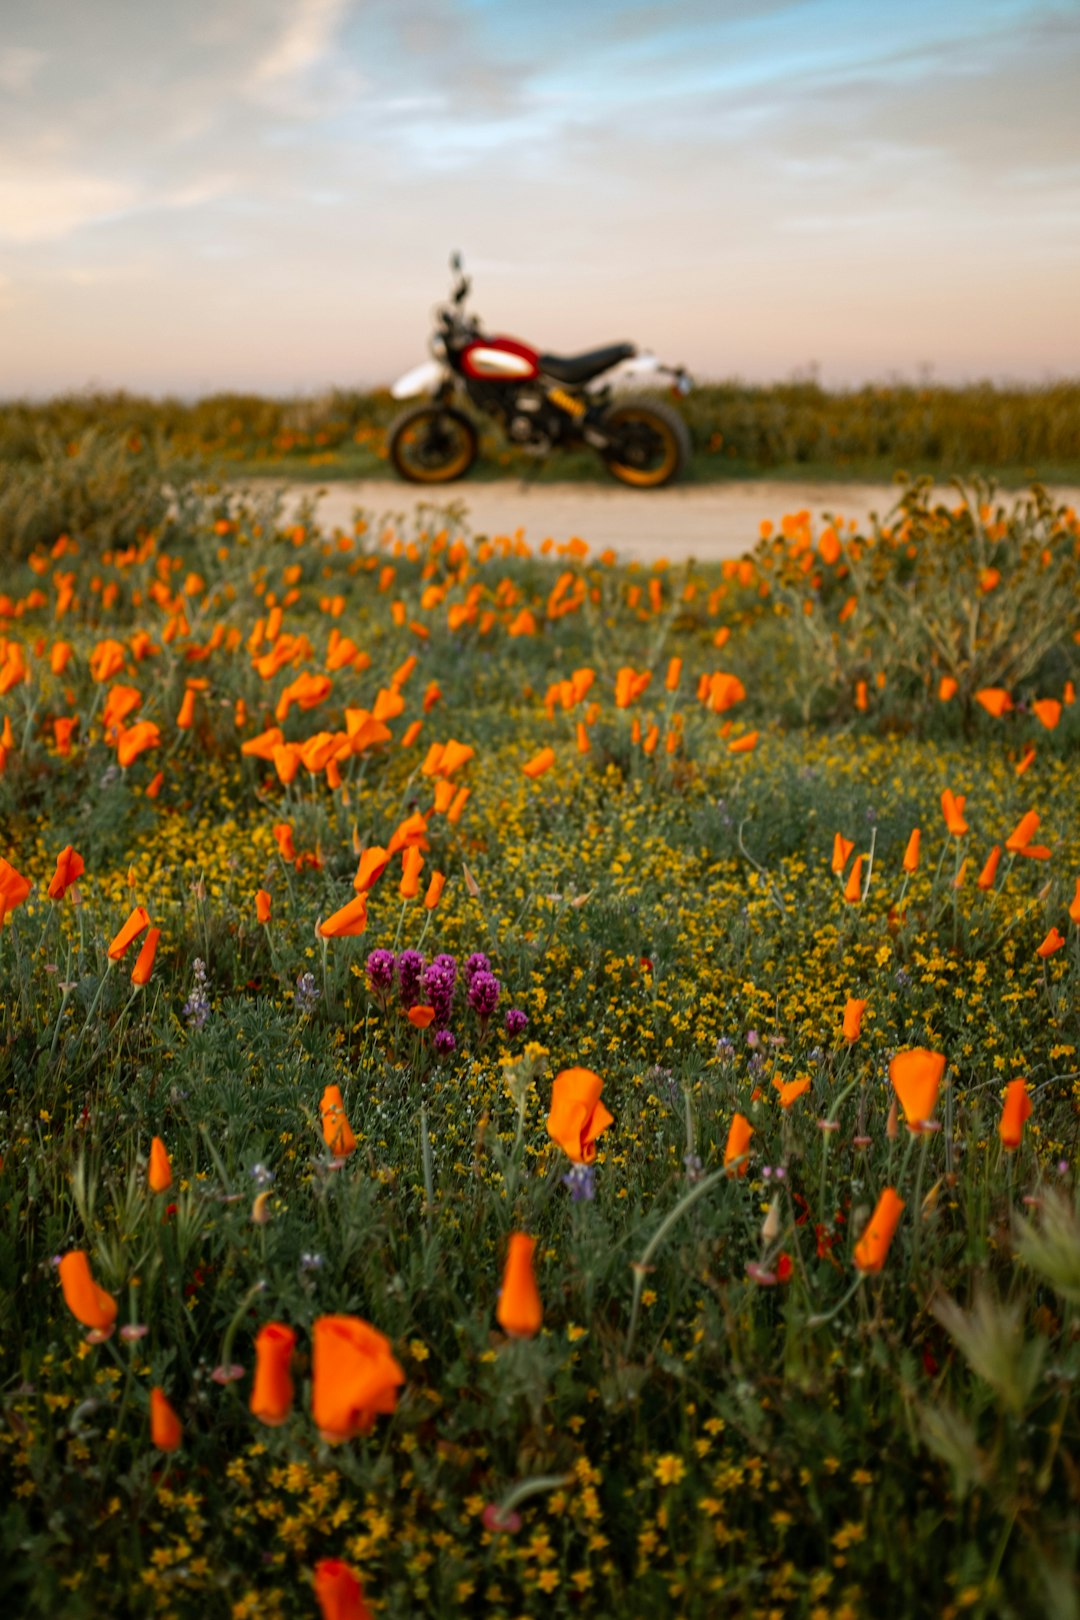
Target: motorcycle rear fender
422, 379
632, 373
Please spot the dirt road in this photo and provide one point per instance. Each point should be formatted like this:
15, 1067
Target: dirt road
706, 522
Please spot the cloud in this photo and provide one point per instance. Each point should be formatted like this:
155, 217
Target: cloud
19, 65
44, 206
306, 37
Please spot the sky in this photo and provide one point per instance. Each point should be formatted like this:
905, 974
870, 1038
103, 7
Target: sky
263, 194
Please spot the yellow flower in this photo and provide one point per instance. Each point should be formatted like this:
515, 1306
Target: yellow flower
669, 1469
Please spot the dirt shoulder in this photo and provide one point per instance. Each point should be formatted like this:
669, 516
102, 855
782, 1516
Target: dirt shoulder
707, 523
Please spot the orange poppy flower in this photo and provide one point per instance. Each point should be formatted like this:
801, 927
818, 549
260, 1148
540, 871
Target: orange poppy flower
952, 808
154, 787
144, 962
349, 921
947, 688
862, 703
421, 1017
373, 863
166, 1430
790, 1089
307, 691
130, 931
853, 1017
272, 1387
519, 1311
63, 728
916, 1076
1017, 1109
1047, 711
338, 1592
186, 717
744, 744
14, 888
1053, 942
135, 741
454, 756
262, 746
723, 692
841, 849
286, 762
337, 1132
283, 838
995, 700
577, 1117
873, 1246
354, 1377
911, 853
541, 762
461, 797
159, 1172
412, 831
1074, 904
674, 675
88, 1303
629, 685
69, 867
985, 879
262, 906
853, 887
412, 862
1023, 832
738, 1143
434, 890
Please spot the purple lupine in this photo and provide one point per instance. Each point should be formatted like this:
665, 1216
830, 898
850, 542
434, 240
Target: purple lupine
477, 963
581, 1181
438, 987
445, 1042
410, 967
484, 994
515, 1022
380, 971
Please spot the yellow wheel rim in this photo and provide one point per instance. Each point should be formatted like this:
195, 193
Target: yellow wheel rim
645, 477
435, 475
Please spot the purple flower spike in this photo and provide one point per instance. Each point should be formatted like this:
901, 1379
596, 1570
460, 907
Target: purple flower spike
380, 970
445, 1042
477, 963
515, 1021
484, 993
410, 968
438, 985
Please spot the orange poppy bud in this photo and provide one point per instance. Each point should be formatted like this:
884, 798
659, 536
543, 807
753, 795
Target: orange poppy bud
349, 921
444, 796
337, 1131
144, 962
453, 815
272, 1386
159, 1174
853, 887
411, 732
283, 837
434, 890
1053, 942
952, 808
354, 1377
154, 787
873, 1246
1074, 904
519, 1311
166, 1430
583, 744
911, 853
541, 762
338, 1592
674, 675
421, 1017
853, 1017
88, 1303
916, 1077
1022, 834
738, 1144
1068, 696
185, 719
1017, 1109
841, 849
262, 906
577, 1116
861, 700
958, 880
69, 867
130, 931
985, 879
412, 862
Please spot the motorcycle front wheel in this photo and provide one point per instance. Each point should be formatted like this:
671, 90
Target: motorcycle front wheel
432, 444
651, 444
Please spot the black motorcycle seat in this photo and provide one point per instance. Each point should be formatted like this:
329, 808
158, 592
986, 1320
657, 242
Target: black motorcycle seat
578, 368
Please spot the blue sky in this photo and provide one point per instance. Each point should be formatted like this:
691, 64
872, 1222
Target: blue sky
253, 194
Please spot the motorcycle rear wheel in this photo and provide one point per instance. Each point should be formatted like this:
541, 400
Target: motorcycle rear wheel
432, 444
652, 442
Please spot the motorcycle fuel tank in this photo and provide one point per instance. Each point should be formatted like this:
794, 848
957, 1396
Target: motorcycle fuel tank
500, 359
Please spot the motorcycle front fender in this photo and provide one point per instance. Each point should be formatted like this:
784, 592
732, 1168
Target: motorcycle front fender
422, 379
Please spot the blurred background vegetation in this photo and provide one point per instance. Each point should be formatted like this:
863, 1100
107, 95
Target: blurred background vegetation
794, 429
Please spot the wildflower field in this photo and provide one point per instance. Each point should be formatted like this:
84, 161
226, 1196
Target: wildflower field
538, 1087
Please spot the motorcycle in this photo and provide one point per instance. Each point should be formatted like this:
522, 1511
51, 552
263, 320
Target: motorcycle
542, 402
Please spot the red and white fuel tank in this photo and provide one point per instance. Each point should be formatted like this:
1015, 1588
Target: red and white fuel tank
500, 359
